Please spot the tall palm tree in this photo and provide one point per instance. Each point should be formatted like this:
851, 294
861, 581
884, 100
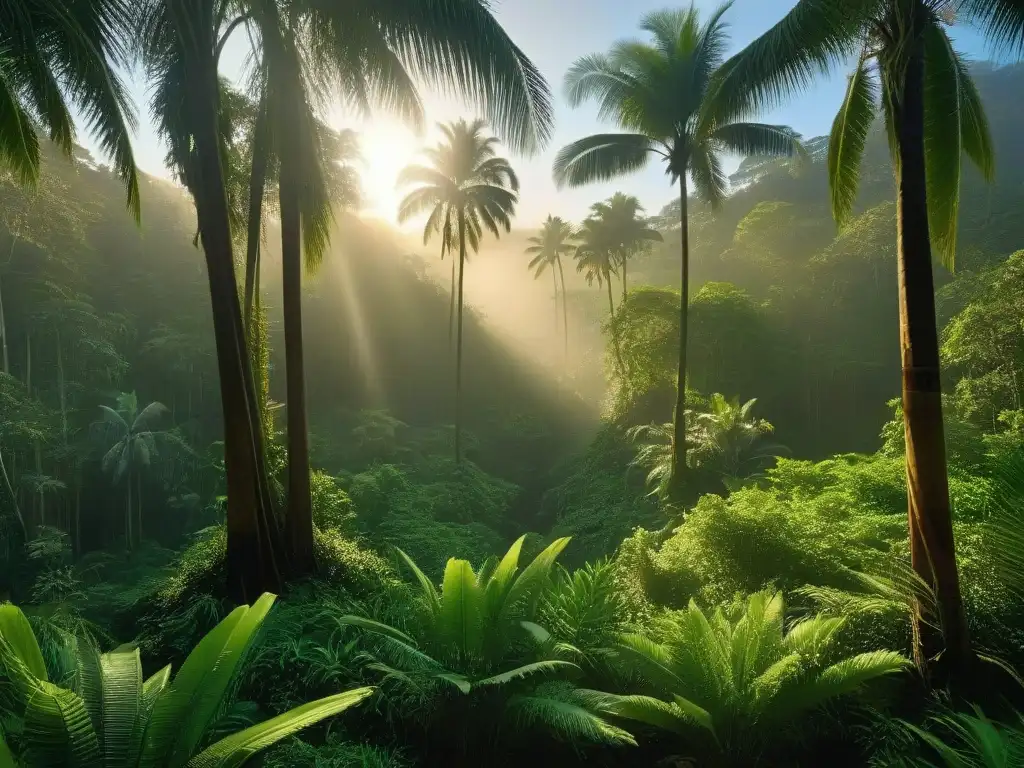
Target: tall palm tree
134, 441
548, 248
661, 93
908, 71
57, 55
466, 183
374, 49
627, 228
595, 259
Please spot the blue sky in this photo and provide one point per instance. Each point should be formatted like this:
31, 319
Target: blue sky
553, 33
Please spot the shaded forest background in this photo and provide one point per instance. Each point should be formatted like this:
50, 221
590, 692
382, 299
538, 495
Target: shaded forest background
784, 309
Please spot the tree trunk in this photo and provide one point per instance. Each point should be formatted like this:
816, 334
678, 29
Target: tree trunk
138, 507
128, 516
451, 306
9, 490
61, 393
678, 466
624, 288
3, 323
565, 308
554, 282
253, 537
458, 342
28, 363
257, 188
933, 553
616, 349
299, 523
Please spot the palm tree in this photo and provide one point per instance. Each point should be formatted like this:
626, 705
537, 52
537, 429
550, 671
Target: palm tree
661, 93
907, 69
58, 55
548, 248
372, 44
595, 260
468, 184
626, 228
134, 442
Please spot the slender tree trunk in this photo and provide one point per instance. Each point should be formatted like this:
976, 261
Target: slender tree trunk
930, 520
138, 507
128, 515
300, 510
678, 466
28, 363
3, 324
61, 393
624, 288
458, 342
257, 188
565, 308
554, 282
9, 490
78, 511
254, 550
615, 335
39, 475
451, 307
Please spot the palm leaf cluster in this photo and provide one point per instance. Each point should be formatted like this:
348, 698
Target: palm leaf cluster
547, 249
474, 648
112, 716
57, 56
730, 684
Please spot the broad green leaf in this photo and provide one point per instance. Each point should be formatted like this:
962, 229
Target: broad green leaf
59, 729
536, 631
528, 585
176, 703
458, 681
206, 700
698, 714
18, 635
429, 590
460, 621
122, 699
234, 750
644, 709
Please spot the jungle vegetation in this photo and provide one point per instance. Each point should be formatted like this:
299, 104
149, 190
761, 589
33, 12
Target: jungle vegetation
752, 495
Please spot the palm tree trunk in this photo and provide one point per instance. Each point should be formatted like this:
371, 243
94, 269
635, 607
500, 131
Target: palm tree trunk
458, 342
615, 334
624, 288
299, 524
128, 516
138, 507
61, 393
933, 552
565, 308
9, 490
257, 188
451, 307
28, 363
678, 466
253, 538
554, 282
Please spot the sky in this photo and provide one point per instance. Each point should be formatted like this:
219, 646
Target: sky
553, 33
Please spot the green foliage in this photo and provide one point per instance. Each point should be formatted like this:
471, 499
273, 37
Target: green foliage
336, 753
112, 716
332, 507
467, 663
738, 684
962, 740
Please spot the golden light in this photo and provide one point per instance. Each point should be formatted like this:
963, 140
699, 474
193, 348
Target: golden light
386, 147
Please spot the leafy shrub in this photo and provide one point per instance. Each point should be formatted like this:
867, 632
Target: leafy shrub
962, 740
463, 666
296, 753
112, 717
736, 685
332, 507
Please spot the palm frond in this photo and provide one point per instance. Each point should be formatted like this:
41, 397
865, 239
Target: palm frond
601, 157
846, 142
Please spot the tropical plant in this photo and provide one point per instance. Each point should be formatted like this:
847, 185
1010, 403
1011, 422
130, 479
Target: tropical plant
76, 68
113, 716
971, 741
467, 662
595, 260
723, 435
628, 231
465, 188
736, 683
547, 250
134, 442
664, 94
908, 69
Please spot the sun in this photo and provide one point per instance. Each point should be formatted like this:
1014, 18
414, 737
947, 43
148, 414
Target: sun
386, 147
